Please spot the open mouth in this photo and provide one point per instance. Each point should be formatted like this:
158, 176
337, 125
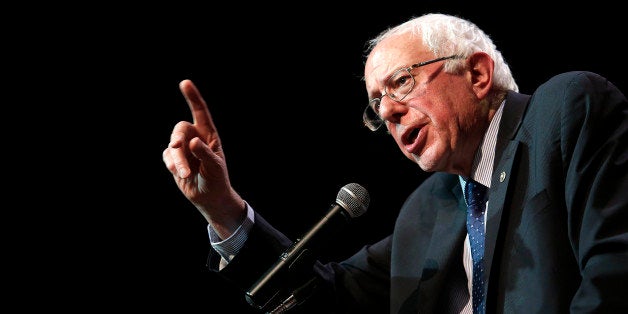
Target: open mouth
412, 135
414, 139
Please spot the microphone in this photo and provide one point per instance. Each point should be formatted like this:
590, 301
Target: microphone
352, 201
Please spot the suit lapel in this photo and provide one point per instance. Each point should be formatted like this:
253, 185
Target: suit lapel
445, 247
505, 158
425, 245
497, 198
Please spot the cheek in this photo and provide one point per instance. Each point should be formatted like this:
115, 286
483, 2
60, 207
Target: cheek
450, 113
443, 118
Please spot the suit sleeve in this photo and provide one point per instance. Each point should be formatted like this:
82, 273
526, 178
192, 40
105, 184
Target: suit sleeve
359, 284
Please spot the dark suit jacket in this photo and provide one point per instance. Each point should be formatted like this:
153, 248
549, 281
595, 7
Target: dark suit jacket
557, 225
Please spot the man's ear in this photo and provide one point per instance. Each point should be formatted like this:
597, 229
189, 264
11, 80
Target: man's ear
481, 71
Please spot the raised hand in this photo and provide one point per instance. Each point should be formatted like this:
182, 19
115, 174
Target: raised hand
196, 160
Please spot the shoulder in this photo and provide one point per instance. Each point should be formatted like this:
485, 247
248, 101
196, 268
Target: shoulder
576, 77
575, 108
565, 85
578, 91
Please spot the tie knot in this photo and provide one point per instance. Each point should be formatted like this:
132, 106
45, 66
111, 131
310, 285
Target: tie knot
475, 193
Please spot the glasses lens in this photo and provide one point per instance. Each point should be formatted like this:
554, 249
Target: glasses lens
371, 117
400, 84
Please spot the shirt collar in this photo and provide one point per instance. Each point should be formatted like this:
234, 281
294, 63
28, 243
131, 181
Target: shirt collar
482, 168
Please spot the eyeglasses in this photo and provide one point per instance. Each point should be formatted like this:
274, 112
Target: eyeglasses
397, 87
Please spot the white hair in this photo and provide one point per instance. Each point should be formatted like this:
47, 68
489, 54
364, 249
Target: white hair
447, 35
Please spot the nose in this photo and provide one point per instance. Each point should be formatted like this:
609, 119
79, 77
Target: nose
391, 110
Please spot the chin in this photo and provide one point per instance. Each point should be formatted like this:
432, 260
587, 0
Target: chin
421, 162
426, 162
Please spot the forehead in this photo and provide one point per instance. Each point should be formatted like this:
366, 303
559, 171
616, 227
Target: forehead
391, 54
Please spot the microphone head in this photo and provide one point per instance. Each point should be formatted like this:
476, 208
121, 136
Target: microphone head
354, 199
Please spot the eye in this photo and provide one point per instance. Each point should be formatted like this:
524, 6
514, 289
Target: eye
400, 83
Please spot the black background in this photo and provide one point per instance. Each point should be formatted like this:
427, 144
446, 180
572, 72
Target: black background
283, 84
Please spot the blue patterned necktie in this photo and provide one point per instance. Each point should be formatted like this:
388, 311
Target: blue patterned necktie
476, 202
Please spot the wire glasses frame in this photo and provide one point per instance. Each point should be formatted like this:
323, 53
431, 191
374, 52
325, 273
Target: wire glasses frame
397, 87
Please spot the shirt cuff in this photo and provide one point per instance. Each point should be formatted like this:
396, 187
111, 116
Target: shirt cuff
229, 247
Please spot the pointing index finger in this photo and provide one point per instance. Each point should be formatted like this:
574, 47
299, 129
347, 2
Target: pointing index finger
198, 106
